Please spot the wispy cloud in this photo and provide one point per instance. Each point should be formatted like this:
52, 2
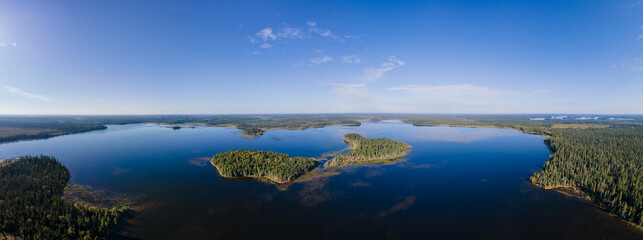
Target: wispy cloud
7, 44
26, 94
640, 34
351, 59
322, 59
286, 34
374, 74
312, 27
291, 33
266, 34
265, 45
358, 92
634, 65
454, 91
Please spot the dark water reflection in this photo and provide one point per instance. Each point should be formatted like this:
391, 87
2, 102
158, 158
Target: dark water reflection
456, 183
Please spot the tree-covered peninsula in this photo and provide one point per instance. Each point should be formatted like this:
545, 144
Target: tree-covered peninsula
605, 163
273, 166
31, 205
369, 149
602, 158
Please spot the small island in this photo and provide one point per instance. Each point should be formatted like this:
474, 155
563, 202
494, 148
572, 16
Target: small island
281, 168
276, 167
369, 150
252, 132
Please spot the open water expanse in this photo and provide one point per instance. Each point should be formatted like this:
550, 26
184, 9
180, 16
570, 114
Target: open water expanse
455, 183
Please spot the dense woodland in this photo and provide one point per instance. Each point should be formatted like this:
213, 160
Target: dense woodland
277, 167
369, 149
31, 205
602, 158
605, 163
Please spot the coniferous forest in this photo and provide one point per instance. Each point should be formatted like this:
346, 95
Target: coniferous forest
602, 158
369, 149
605, 163
277, 167
31, 205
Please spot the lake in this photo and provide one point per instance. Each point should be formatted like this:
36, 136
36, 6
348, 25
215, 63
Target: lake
455, 183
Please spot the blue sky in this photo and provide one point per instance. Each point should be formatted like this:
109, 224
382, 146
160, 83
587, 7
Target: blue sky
220, 57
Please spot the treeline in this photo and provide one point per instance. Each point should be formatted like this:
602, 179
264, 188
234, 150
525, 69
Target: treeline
255, 127
294, 123
607, 164
277, 167
31, 205
47, 133
16, 128
369, 149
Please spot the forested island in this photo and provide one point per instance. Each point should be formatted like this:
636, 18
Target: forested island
275, 167
368, 150
31, 205
281, 168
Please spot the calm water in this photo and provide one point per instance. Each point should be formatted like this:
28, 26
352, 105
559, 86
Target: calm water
456, 183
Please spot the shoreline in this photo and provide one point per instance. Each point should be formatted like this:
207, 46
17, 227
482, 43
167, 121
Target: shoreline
353, 145
575, 192
261, 178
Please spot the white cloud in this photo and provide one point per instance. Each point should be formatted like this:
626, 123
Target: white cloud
26, 94
634, 65
454, 91
373, 74
351, 59
358, 92
266, 34
323, 32
283, 35
265, 46
14, 44
640, 34
291, 33
322, 59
